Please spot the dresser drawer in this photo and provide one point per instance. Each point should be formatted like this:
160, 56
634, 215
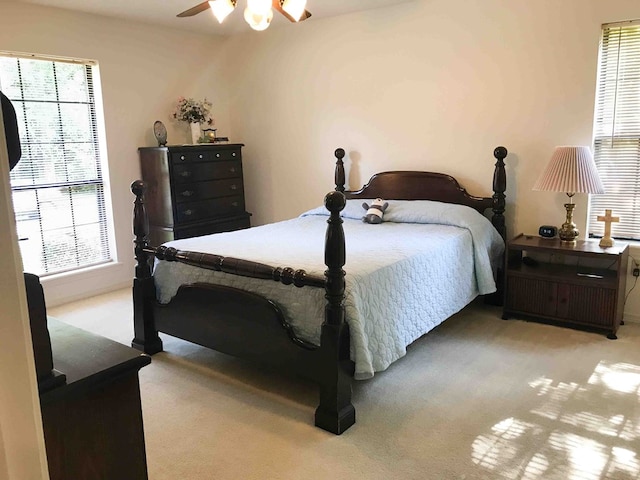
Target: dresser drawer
210, 189
206, 209
209, 228
204, 156
206, 171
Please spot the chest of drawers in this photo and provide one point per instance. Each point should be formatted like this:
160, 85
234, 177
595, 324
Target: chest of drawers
193, 190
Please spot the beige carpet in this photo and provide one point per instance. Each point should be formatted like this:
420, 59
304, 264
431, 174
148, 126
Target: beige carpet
478, 398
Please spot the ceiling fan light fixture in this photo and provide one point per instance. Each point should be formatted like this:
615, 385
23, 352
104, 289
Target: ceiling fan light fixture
259, 7
295, 8
222, 8
258, 21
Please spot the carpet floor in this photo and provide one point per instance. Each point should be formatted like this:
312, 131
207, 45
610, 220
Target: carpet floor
477, 398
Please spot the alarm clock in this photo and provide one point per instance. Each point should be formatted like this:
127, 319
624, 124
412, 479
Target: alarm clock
548, 231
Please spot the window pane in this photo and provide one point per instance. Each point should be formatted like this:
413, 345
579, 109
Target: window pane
76, 122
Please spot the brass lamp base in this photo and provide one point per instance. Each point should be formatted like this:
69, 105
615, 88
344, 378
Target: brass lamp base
568, 232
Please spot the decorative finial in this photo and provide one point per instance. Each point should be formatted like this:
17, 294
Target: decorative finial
500, 152
335, 201
137, 188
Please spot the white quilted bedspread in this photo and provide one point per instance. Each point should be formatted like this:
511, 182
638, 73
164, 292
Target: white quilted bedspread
403, 277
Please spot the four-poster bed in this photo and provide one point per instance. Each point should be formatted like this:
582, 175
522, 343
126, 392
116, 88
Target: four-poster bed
263, 328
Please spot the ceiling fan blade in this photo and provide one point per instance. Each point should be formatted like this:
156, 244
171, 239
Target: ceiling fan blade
194, 10
277, 5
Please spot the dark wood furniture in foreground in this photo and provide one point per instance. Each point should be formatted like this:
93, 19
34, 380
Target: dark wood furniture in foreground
578, 285
252, 327
93, 423
193, 190
48, 377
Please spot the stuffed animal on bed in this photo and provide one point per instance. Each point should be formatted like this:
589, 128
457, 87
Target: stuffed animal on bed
375, 211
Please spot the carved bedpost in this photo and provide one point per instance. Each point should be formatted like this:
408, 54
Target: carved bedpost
339, 175
499, 187
145, 335
335, 412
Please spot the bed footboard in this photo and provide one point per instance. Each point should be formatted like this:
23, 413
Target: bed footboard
247, 325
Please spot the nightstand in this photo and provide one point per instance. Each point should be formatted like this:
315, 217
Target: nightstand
581, 285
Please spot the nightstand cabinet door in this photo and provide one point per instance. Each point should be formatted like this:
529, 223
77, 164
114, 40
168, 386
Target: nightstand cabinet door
592, 306
537, 297
193, 190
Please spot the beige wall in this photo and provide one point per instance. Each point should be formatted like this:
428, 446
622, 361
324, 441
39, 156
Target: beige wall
432, 85
143, 71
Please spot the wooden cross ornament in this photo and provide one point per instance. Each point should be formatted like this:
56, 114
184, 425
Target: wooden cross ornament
607, 218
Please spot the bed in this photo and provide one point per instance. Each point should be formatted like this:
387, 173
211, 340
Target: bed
230, 291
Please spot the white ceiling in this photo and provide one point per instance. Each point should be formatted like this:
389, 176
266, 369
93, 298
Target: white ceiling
163, 12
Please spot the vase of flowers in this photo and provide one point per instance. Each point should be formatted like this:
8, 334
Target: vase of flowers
193, 113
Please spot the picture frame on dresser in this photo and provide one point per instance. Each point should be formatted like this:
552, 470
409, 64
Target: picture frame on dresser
193, 190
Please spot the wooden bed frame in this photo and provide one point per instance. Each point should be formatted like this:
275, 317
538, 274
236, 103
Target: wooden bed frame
249, 326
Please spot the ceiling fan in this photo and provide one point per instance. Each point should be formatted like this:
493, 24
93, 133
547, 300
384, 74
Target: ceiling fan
258, 13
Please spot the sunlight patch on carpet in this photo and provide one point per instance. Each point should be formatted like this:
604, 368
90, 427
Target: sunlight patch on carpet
574, 432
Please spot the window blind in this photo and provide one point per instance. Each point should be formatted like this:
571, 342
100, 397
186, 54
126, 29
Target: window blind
616, 146
57, 187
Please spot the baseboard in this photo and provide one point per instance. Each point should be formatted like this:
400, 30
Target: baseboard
73, 286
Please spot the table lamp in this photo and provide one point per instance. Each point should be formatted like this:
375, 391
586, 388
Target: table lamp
571, 170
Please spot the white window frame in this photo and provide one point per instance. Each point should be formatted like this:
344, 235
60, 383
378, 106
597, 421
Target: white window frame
616, 131
101, 181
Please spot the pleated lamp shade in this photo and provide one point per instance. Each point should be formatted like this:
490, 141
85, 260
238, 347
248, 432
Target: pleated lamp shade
570, 170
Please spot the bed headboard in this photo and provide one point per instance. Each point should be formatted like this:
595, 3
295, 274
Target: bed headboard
414, 185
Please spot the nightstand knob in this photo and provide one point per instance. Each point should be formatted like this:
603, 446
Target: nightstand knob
233, 154
201, 156
188, 212
217, 155
185, 174
232, 170
187, 193
233, 187
182, 158
235, 204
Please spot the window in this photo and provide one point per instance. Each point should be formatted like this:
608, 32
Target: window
616, 146
57, 187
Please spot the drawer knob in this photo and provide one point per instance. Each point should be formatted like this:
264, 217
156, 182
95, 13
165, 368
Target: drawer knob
233, 187
188, 212
187, 193
233, 154
217, 155
185, 174
235, 204
182, 158
232, 169
200, 156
